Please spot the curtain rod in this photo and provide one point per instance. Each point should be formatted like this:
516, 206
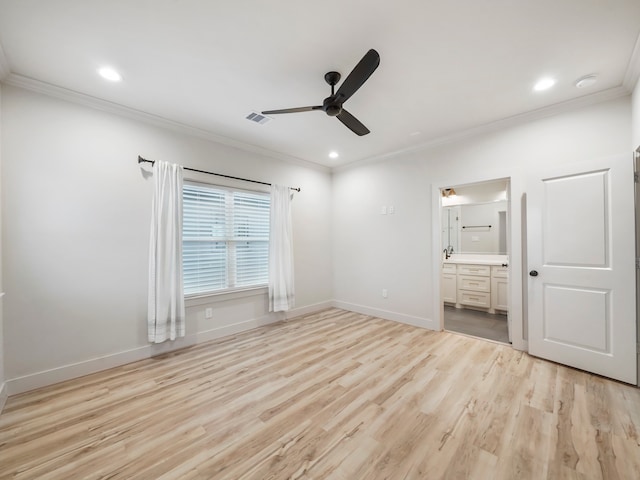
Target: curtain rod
140, 160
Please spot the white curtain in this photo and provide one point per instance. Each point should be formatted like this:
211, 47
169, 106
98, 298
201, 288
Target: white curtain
166, 315
281, 291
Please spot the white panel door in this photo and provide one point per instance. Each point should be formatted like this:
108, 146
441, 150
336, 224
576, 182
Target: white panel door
581, 259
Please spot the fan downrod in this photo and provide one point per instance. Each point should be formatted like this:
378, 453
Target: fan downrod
331, 105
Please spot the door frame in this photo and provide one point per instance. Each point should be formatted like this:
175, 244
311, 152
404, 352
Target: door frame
636, 201
514, 247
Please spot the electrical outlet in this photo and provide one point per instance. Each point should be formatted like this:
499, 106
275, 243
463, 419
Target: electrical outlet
391, 210
383, 210
384, 293
208, 313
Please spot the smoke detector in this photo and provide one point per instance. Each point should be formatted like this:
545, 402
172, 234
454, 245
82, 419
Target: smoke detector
586, 81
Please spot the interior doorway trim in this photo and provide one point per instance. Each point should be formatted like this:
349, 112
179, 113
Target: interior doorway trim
636, 172
514, 296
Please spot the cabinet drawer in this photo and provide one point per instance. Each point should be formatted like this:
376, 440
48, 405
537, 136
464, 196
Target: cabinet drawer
474, 299
477, 284
498, 271
449, 268
480, 270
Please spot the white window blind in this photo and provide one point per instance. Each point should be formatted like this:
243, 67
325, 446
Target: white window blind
225, 239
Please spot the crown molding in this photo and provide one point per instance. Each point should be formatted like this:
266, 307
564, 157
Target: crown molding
632, 74
156, 120
533, 115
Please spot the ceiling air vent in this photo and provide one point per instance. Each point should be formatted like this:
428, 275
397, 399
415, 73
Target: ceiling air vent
258, 118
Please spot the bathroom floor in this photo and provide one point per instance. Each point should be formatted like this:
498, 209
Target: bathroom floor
477, 324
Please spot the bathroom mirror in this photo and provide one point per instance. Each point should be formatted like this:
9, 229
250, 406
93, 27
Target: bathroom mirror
451, 228
474, 218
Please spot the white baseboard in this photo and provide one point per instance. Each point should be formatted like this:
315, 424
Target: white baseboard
3, 395
316, 307
238, 327
74, 370
427, 323
59, 374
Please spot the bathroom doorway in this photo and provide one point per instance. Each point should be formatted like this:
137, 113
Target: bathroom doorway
475, 259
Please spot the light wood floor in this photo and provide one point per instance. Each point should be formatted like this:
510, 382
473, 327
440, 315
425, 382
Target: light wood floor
334, 395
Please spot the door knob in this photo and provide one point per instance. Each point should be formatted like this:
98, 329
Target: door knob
533, 273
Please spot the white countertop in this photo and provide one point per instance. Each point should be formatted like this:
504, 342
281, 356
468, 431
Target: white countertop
476, 259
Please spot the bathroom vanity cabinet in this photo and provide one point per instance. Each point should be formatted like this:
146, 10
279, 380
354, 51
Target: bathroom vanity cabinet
469, 282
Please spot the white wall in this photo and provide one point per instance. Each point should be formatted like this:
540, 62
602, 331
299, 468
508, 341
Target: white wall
481, 239
76, 225
398, 252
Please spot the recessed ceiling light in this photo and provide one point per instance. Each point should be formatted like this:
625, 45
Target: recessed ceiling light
586, 81
333, 155
110, 74
544, 84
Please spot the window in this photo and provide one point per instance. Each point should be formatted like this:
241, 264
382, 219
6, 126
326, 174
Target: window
225, 239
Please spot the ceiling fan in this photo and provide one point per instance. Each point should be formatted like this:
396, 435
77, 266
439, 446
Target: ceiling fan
332, 105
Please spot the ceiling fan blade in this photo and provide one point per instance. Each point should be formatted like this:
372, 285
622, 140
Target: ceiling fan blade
352, 123
359, 75
292, 110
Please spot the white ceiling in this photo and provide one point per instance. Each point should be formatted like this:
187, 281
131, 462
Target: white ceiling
446, 66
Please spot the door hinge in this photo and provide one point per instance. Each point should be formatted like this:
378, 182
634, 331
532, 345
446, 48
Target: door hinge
635, 177
638, 263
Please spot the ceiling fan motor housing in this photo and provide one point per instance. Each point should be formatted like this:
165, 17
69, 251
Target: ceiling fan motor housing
331, 106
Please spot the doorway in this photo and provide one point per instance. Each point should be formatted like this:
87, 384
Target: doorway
475, 259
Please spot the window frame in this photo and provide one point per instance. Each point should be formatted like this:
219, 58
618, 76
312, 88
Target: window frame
231, 243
